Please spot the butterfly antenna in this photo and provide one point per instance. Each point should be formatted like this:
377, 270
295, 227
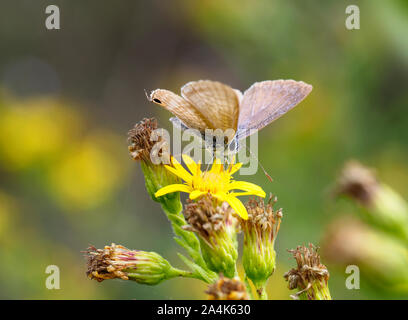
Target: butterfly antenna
206, 149
260, 164
147, 95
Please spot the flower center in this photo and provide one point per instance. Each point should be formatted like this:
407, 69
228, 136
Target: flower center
212, 182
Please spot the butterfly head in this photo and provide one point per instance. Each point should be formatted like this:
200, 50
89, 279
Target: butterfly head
151, 97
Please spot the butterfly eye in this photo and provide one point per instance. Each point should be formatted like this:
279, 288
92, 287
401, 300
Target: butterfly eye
157, 100
233, 146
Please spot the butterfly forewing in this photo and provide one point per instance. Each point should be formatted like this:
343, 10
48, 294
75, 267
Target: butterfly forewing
181, 108
266, 101
218, 102
208, 104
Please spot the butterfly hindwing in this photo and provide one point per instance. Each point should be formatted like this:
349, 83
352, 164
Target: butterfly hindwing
266, 101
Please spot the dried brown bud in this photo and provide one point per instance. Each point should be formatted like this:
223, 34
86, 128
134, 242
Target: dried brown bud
358, 182
381, 258
116, 261
227, 289
215, 226
311, 276
205, 217
104, 263
342, 240
262, 217
142, 140
260, 231
380, 204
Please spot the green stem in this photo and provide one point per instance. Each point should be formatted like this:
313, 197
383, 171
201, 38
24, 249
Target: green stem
248, 288
261, 291
260, 287
316, 291
182, 273
191, 244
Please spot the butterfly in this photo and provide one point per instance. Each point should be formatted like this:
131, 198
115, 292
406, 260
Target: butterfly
207, 104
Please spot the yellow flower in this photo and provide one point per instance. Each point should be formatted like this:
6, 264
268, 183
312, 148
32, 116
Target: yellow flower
217, 181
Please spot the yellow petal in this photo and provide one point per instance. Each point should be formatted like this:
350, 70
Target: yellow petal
247, 186
238, 206
172, 188
220, 196
191, 165
234, 168
196, 194
183, 175
179, 171
198, 171
238, 194
217, 166
231, 162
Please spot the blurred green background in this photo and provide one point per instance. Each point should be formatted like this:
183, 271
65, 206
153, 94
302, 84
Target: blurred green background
69, 96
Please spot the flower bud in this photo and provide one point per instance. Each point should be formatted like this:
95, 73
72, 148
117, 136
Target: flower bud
260, 231
227, 289
216, 229
382, 259
381, 205
147, 145
116, 261
310, 277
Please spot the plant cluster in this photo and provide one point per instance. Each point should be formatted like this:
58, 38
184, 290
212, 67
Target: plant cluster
207, 227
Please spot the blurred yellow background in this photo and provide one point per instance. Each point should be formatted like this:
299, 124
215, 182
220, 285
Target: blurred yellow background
69, 96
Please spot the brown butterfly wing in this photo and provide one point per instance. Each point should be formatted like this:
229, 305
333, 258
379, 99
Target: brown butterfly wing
181, 108
266, 101
218, 102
